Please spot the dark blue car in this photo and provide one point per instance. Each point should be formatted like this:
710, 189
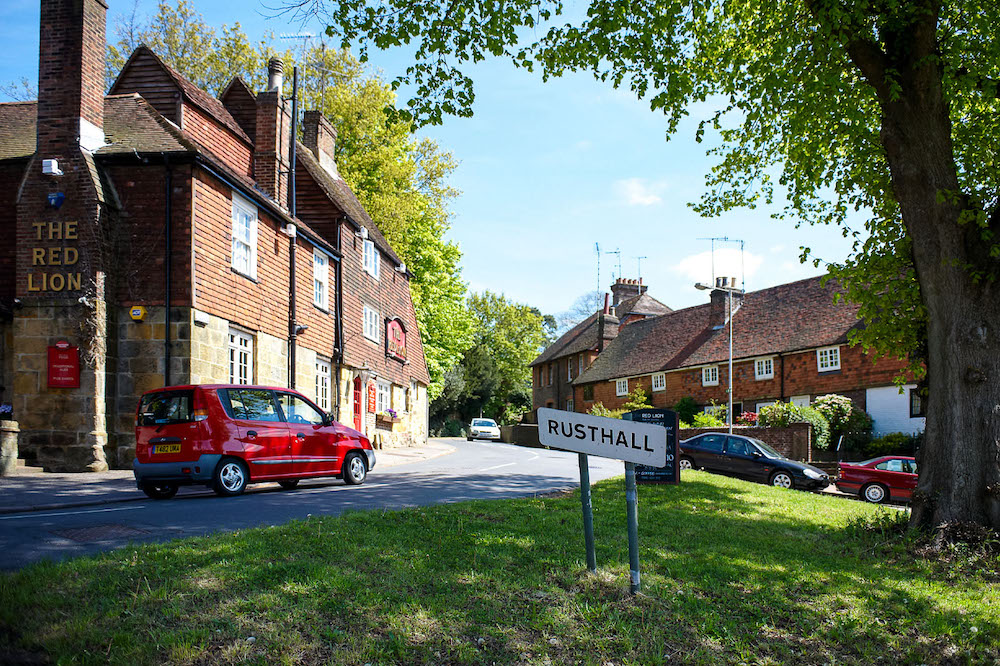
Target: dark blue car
748, 458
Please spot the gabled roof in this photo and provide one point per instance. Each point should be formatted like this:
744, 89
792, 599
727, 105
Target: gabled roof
188, 89
643, 304
581, 337
790, 317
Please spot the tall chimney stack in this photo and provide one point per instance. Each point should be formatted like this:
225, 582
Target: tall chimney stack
273, 138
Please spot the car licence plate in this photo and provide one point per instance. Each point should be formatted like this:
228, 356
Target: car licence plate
167, 448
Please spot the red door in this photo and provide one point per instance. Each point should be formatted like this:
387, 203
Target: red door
357, 403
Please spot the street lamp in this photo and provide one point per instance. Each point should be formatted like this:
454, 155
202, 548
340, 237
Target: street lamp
727, 285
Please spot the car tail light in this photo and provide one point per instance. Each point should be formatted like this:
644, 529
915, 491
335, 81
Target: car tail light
200, 412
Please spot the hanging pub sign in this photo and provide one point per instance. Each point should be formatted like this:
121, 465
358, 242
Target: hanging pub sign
371, 397
64, 366
395, 339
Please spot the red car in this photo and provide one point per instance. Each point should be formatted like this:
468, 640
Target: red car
226, 436
879, 479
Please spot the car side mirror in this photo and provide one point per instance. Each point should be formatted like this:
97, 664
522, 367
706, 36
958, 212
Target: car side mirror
757, 454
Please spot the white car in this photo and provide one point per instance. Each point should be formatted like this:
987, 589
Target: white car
484, 429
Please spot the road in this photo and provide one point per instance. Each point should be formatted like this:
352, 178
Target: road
477, 470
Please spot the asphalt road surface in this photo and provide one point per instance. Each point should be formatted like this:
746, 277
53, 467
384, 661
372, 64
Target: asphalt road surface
477, 470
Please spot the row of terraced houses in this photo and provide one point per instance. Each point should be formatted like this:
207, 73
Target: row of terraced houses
789, 344
166, 236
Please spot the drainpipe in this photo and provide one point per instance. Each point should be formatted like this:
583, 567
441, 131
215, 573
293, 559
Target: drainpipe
338, 332
782, 363
292, 325
166, 270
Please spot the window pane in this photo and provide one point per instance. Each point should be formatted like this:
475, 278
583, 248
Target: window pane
253, 405
298, 410
165, 408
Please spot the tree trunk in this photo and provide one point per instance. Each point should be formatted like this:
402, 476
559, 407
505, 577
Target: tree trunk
960, 458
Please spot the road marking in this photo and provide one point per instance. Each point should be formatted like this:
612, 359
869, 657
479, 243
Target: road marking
488, 469
69, 513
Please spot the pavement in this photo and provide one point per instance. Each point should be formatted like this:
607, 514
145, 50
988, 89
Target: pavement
32, 489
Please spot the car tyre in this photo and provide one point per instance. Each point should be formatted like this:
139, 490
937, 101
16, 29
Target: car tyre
230, 477
875, 493
288, 484
782, 479
469, 438
685, 463
159, 491
355, 469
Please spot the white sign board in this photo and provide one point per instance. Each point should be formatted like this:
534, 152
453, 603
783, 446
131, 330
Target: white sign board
631, 441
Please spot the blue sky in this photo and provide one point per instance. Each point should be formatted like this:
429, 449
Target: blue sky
546, 171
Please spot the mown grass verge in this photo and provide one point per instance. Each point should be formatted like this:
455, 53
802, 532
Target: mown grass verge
732, 572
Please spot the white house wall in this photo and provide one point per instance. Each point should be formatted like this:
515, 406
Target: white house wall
890, 410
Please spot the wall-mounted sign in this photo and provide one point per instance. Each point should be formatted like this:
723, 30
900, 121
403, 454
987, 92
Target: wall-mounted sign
57, 272
137, 312
64, 366
395, 339
371, 397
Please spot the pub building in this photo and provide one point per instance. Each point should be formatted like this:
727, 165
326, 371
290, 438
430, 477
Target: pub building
158, 193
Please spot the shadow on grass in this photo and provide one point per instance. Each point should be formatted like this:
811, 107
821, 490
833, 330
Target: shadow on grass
732, 572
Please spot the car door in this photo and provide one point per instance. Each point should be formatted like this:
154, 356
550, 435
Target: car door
710, 449
895, 473
739, 459
263, 434
312, 440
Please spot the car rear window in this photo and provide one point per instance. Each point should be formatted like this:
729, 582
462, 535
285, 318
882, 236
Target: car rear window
165, 407
250, 404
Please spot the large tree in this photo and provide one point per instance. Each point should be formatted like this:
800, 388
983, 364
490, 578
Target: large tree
400, 180
888, 107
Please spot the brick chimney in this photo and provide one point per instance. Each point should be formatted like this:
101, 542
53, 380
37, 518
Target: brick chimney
273, 136
319, 136
71, 77
719, 312
625, 288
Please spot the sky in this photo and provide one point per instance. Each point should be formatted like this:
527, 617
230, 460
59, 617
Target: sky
549, 171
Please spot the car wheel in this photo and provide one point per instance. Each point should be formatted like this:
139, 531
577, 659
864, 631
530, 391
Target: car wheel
159, 491
355, 469
782, 479
469, 438
288, 484
230, 477
685, 463
874, 493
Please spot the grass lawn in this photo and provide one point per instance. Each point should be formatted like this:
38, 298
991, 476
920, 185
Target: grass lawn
732, 572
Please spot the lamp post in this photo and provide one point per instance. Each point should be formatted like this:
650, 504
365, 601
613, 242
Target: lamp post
723, 284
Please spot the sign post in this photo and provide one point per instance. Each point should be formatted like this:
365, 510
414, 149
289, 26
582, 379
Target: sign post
633, 441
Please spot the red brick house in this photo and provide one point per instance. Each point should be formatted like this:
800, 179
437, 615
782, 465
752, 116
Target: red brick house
789, 344
159, 193
555, 369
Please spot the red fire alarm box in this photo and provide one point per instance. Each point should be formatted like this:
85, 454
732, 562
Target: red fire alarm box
64, 365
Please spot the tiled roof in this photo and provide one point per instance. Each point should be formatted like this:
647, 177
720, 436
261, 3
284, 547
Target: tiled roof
342, 195
193, 93
17, 129
790, 317
643, 304
580, 338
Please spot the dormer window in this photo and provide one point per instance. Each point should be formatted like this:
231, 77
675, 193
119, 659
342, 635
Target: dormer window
371, 259
764, 369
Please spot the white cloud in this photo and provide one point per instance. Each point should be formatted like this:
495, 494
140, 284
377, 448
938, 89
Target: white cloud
728, 263
637, 192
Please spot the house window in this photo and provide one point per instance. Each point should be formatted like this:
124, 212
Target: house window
240, 357
569, 369
917, 407
569, 405
828, 359
621, 387
710, 376
371, 323
321, 280
799, 400
383, 396
371, 259
581, 365
588, 392
550, 375
659, 381
244, 247
323, 384
764, 369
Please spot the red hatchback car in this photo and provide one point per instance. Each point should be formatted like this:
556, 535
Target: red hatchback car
879, 479
226, 436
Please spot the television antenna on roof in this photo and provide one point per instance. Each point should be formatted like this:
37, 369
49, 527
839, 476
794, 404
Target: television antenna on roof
727, 239
638, 266
619, 253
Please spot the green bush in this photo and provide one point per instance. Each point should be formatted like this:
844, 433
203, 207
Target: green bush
453, 428
637, 399
707, 420
783, 414
686, 408
776, 415
600, 410
821, 428
895, 443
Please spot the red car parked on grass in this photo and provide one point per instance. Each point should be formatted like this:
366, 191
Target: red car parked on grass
879, 479
226, 436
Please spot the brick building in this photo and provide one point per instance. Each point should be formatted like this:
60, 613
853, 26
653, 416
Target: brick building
554, 370
159, 193
789, 344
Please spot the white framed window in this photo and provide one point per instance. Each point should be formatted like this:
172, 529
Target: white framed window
660, 381
569, 405
244, 245
371, 324
371, 259
240, 357
763, 368
799, 400
621, 387
323, 384
569, 369
383, 396
828, 359
321, 280
581, 365
710, 376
